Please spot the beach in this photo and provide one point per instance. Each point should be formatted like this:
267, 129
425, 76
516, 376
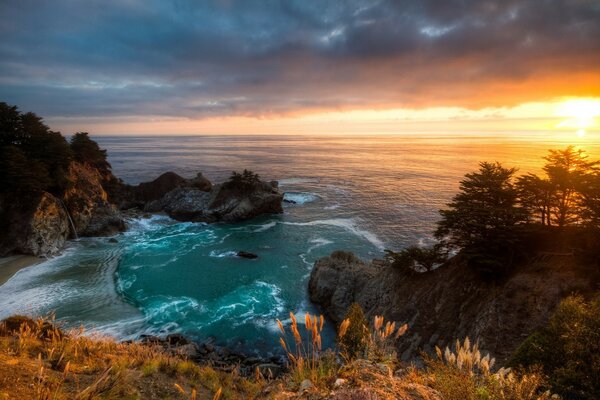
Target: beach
12, 264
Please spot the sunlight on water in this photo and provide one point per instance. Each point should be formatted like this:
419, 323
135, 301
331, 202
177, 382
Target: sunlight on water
364, 194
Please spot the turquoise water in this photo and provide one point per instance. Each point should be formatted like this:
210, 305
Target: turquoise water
163, 276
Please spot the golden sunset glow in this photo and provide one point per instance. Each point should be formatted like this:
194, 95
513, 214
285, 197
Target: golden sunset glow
581, 114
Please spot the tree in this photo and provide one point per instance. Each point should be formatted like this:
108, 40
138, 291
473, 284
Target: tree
535, 196
484, 211
20, 174
45, 152
589, 188
566, 170
87, 151
417, 259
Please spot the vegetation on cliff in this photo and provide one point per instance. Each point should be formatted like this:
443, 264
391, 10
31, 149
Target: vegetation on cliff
567, 349
35, 158
496, 214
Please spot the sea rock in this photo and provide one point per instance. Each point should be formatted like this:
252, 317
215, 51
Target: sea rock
450, 303
224, 202
88, 205
149, 191
142, 195
35, 224
245, 254
183, 204
200, 182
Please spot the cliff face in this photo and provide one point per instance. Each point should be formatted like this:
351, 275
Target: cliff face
33, 224
88, 204
38, 223
451, 302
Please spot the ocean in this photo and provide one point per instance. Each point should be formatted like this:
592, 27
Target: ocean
364, 194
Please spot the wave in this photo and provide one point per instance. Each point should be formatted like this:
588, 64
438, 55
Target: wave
300, 197
264, 227
217, 254
346, 223
297, 181
318, 243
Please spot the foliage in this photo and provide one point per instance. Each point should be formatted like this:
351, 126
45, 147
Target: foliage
566, 169
567, 349
466, 373
26, 141
484, 210
246, 179
482, 217
535, 196
589, 189
417, 259
85, 150
353, 333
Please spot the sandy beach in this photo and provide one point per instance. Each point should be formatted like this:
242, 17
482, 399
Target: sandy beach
10, 265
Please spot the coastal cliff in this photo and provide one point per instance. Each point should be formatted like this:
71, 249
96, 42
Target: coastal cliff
40, 223
451, 302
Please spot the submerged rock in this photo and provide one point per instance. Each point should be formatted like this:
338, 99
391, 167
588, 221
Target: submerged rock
245, 254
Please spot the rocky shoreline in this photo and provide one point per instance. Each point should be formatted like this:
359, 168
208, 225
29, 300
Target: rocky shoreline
452, 302
95, 205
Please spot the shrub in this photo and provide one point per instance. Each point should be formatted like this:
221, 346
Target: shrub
353, 333
567, 349
417, 259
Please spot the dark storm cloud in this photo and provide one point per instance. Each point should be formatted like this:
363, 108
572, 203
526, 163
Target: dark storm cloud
196, 58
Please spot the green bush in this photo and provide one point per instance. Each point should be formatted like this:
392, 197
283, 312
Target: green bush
567, 349
355, 339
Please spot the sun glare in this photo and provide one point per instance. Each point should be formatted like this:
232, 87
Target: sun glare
581, 114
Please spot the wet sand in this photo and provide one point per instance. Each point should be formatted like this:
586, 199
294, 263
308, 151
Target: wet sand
10, 265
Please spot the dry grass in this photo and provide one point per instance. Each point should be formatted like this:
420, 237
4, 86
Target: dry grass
465, 373
39, 361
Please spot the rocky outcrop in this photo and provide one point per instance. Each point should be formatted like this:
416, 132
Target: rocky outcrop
87, 201
224, 202
451, 302
146, 192
33, 224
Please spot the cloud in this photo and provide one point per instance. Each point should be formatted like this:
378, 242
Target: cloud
262, 58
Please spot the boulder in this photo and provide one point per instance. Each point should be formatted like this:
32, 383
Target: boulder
35, 224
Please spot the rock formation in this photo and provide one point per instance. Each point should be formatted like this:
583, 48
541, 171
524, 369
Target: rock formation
35, 224
88, 204
451, 302
224, 202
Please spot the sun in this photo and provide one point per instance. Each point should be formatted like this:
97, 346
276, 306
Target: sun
581, 114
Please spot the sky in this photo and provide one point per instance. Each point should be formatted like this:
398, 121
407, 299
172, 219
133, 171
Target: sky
140, 67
